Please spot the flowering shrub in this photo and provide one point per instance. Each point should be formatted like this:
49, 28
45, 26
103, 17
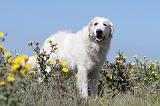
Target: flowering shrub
15, 74
128, 77
12, 70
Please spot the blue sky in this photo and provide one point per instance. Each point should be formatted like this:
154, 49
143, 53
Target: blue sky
136, 22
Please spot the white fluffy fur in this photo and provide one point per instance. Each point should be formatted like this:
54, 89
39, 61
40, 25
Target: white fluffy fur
83, 51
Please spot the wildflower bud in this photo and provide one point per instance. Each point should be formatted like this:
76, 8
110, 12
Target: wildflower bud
35, 56
57, 61
119, 61
30, 43
135, 56
2, 83
49, 41
17, 54
145, 78
55, 48
142, 62
132, 63
145, 58
37, 43
151, 78
124, 57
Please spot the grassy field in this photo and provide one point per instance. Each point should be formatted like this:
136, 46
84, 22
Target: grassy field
121, 83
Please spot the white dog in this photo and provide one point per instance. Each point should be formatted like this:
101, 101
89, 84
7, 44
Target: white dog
85, 50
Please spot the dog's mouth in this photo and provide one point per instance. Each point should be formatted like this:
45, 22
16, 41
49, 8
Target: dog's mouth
100, 38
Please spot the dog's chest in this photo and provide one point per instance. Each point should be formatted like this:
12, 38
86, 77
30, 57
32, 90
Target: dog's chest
95, 56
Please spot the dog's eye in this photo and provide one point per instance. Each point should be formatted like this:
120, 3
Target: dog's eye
105, 24
95, 24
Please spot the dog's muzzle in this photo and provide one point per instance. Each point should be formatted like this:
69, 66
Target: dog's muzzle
99, 35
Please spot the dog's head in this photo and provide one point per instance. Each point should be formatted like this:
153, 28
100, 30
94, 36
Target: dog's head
100, 29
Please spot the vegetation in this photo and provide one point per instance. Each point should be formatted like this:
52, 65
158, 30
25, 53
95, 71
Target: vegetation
121, 83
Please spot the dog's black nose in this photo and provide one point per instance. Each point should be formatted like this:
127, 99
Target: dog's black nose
99, 32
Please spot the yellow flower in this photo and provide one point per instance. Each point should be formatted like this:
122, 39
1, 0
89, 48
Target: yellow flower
1, 34
17, 60
51, 62
2, 48
26, 66
8, 54
154, 64
153, 72
32, 72
117, 57
64, 63
142, 62
65, 70
23, 57
150, 78
110, 77
15, 66
9, 60
22, 72
124, 57
10, 77
20, 59
2, 83
132, 63
119, 61
35, 56
145, 78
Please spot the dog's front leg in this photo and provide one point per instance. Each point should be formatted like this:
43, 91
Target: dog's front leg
93, 82
82, 81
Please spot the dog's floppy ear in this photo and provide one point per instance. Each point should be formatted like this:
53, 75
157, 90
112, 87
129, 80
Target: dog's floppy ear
90, 24
112, 29
89, 29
